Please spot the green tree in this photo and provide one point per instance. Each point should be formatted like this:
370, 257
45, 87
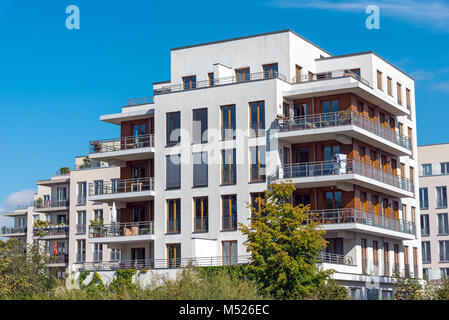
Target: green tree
441, 290
406, 287
285, 243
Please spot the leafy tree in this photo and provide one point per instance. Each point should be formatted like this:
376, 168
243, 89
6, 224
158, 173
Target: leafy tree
285, 243
406, 287
441, 291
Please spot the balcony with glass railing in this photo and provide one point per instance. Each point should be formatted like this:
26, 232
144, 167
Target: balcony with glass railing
363, 221
117, 151
325, 173
122, 232
126, 190
51, 231
13, 231
327, 126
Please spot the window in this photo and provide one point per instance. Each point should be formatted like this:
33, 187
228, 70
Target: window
401, 129
298, 73
444, 251
375, 253
415, 262
81, 222
413, 211
412, 175
256, 202
173, 171
98, 215
396, 257
174, 216
364, 256
199, 125
115, 183
210, 77
98, 187
333, 199
201, 209
257, 163
410, 135
404, 212
80, 250
443, 227
81, 199
98, 252
242, 74
399, 93
407, 98
114, 254
257, 118
426, 256
188, 82
270, 70
426, 169
228, 167
386, 259
229, 212
425, 229
229, 249
173, 255
444, 272
444, 167
423, 198
138, 214
389, 86
200, 169
406, 260
286, 110
441, 197
379, 80
228, 122
173, 128
329, 106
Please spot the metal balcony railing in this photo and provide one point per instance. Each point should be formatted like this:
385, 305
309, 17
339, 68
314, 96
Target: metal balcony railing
51, 204
229, 175
124, 229
220, 81
201, 224
195, 262
173, 225
335, 258
12, 230
59, 258
229, 223
326, 168
352, 215
51, 231
343, 118
121, 186
142, 100
329, 75
124, 143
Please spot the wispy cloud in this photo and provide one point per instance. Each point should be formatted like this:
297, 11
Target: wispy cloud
441, 86
422, 75
18, 199
433, 13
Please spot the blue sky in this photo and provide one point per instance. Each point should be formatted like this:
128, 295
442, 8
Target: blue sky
55, 83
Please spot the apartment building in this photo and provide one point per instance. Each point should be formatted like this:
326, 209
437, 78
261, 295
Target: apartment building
239, 114
433, 184
59, 217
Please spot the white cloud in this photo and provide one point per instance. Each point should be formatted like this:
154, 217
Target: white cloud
18, 199
441, 86
422, 75
434, 13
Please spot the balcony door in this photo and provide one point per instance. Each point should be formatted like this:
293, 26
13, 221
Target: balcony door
138, 131
137, 255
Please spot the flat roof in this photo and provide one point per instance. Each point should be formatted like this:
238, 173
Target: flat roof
363, 53
247, 37
433, 144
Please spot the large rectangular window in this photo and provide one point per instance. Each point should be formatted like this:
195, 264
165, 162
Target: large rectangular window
425, 228
228, 122
199, 126
98, 252
426, 253
444, 251
443, 228
201, 215
407, 98
423, 198
441, 194
270, 70
228, 167
426, 169
81, 198
81, 222
399, 92
257, 163
386, 259
174, 216
396, 258
256, 202
444, 167
173, 128
229, 250
379, 80
375, 253
229, 212
80, 250
364, 256
406, 260
173, 255
242, 74
257, 118
173, 171
389, 86
200, 169
188, 82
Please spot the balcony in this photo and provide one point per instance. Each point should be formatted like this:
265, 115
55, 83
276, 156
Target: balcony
13, 232
51, 205
218, 82
51, 232
344, 174
338, 82
334, 258
122, 232
128, 190
357, 220
118, 151
58, 260
334, 125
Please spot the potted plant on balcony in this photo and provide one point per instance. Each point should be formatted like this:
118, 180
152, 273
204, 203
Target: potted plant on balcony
4, 230
96, 146
96, 225
39, 202
64, 170
86, 163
